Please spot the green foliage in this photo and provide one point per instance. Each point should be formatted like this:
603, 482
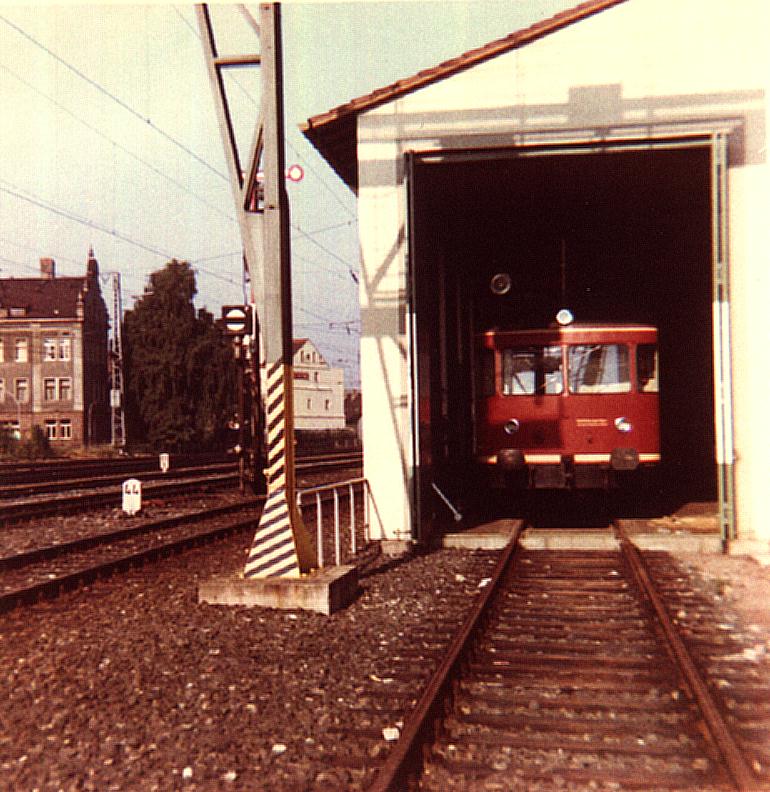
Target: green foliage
179, 371
8, 442
35, 446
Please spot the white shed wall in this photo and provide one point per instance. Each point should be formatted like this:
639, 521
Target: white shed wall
385, 423
644, 68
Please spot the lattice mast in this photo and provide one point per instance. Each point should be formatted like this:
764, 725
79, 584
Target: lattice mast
117, 415
281, 546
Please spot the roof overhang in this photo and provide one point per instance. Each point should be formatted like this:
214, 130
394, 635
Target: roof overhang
333, 133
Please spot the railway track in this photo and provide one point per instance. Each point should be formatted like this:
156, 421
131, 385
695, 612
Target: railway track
104, 491
43, 487
571, 670
46, 569
569, 674
33, 508
45, 572
48, 470
18, 478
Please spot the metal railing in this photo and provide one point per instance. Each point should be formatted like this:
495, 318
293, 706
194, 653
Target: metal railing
318, 493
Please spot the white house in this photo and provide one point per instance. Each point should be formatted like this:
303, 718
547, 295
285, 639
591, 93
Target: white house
319, 390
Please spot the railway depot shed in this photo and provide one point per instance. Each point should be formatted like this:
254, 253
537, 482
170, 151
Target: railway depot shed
623, 143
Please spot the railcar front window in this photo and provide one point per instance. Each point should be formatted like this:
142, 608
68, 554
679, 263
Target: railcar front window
598, 368
647, 368
532, 370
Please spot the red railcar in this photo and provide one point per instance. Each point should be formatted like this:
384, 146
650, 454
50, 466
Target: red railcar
567, 406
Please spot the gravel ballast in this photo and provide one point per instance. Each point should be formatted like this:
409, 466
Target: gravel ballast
131, 684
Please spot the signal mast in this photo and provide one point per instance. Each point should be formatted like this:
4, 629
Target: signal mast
117, 416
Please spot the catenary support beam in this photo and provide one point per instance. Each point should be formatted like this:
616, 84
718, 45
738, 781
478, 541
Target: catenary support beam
281, 546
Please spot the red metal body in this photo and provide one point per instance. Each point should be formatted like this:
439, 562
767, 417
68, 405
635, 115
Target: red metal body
570, 405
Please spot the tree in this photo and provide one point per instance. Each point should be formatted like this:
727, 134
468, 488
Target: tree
179, 370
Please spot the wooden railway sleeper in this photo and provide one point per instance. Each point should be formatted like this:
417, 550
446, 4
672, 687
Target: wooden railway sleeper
505, 681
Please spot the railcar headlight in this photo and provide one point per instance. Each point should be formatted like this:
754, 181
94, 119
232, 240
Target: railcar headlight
623, 424
512, 426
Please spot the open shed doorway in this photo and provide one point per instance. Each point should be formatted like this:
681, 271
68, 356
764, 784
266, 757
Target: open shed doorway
623, 234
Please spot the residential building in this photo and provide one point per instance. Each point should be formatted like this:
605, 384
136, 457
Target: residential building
319, 390
53, 356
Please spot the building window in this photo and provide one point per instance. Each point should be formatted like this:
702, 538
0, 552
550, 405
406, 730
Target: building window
2, 352
315, 376
65, 348
22, 390
65, 389
65, 430
50, 430
327, 404
49, 349
2, 390
49, 389
309, 404
20, 350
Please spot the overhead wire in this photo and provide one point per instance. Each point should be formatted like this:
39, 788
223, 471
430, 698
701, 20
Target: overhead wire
325, 323
122, 148
39, 202
47, 206
326, 250
325, 319
113, 97
34, 250
288, 142
19, 263
332, 227
313, 170
332, 272
218, 256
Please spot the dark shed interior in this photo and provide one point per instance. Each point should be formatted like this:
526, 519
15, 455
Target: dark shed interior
618, 235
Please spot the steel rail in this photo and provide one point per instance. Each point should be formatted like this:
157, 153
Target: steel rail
403, 759
31, 484
92, 482
27, 510
34, 470
51, 587
31, 509
736, 764
69, 580
48, 552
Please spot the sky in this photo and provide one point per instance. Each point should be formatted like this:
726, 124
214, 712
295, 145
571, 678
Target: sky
109, 139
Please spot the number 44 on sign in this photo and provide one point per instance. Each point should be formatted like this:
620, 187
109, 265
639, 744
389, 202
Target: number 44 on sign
132, 496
